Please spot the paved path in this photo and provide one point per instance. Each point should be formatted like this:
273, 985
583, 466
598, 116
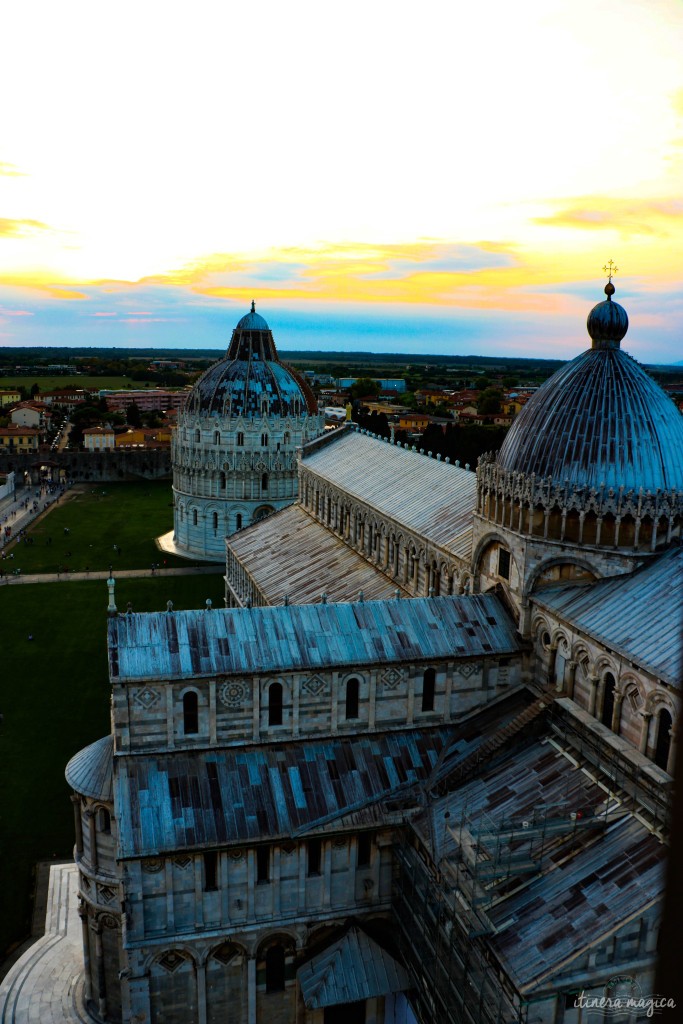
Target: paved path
121, 574
45, 986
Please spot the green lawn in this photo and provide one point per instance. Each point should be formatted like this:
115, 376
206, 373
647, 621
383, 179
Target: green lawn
130, 515
54, 697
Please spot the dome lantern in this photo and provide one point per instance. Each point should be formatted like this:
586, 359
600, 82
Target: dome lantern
607, 322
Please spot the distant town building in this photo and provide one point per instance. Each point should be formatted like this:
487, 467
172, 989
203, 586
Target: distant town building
9, 396
31, 414
146, 399
18, 440
384, 383
98, 439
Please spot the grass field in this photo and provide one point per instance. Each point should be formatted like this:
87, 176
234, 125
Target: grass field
130, 515
55, 700
89, 383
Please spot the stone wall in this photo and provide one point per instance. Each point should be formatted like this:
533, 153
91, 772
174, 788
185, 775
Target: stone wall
154, 464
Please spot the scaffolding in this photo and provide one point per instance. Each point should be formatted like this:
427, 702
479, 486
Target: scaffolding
442, 939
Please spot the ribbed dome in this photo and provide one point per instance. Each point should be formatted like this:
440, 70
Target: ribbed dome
251, 380
599, 420
89, 772
252, 321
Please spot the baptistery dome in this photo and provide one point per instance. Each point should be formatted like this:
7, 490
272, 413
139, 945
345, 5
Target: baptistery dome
600, 420
251, 380
234, 449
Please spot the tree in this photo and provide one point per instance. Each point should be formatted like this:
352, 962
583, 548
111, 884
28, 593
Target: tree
35, 390
133, 415
363, 387
489, 401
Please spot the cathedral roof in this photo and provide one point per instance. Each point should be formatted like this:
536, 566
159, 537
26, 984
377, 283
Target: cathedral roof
600, 420
251, 381
601, 872
428, 496
238, 641
291, 553
194, 799
649, 635
89, 772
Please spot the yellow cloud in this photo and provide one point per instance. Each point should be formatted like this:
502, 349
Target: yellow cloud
10, 171
10, 228
627, 217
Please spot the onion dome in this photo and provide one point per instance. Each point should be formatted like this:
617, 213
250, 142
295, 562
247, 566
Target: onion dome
89, 772
607, 322
251, 381
600, 420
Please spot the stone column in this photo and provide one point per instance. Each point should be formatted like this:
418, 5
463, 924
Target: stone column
569, 677
202, 1008
645, 732
593, 681
616, 711
83, 914
78, 822
101, 976
552, 651
251, 990
92, 836
671, 761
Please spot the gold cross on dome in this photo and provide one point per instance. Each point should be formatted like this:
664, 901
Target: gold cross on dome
610, 269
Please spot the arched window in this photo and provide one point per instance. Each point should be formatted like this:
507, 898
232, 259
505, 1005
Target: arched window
264, 482
663, 744
275, 969
197, 436
285, 439
210, 871
264, 440
223, 481
352, 687
275, 704
215, 520
217, 437
608, 700
428, 684
103, 820
240, 439
238, 521
195, 517
190, 713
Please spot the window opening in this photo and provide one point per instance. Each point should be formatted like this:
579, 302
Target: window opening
275, 704
210, 871
364, 850
262, 863
352, 687
314, 856
190, 713
428, 685
275, 969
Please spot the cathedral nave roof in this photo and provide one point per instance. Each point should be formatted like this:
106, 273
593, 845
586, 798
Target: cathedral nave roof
430, 497
243, 641
291, 553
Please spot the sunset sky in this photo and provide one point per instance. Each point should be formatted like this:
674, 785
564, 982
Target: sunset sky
437, 177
